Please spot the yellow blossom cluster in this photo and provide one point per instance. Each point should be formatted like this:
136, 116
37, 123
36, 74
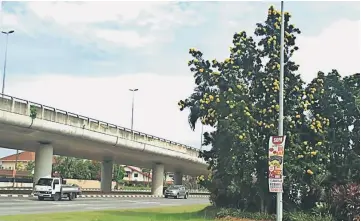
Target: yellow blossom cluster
242, 136
200, 178
318, 123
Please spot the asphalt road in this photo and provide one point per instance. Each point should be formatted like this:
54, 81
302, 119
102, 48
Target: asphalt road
13, 206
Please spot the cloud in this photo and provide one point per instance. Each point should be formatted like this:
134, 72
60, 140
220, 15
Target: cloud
336, 47
130, 39
133, 24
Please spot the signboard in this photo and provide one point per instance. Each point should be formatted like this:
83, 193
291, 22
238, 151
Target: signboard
276, 149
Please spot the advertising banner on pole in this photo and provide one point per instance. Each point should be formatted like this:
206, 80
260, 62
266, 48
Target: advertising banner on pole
276, 149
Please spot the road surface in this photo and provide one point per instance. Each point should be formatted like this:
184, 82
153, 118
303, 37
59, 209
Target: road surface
13, 206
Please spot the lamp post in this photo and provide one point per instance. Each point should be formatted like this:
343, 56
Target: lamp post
7, 33
133, 91
280, 119
6, 52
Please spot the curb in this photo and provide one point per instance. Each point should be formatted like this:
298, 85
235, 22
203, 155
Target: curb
96, 190
100, 196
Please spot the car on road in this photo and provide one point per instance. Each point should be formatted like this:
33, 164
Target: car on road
176, 191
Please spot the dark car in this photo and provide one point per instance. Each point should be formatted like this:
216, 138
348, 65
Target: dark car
176, 191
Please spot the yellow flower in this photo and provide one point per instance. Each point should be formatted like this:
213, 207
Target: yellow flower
298, 116
239, 86
218, 100
211, 97
309, 172
201, 70
240, 137
230, 89
300, 156
313, 153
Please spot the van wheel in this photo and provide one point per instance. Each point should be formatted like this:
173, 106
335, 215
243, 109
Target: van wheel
56, 197
186, 196
71, 196
40, 198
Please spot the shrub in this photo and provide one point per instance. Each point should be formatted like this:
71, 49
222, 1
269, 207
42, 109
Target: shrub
228, 212
345, 201
290, 216
300, 216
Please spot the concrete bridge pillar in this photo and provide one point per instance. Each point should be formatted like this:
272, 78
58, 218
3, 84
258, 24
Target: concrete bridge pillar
43, 161
106, 176
178, 178
157, 179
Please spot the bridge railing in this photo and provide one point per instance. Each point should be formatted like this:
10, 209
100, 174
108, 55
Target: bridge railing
11, 104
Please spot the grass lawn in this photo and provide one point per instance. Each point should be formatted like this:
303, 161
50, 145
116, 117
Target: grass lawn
187, 213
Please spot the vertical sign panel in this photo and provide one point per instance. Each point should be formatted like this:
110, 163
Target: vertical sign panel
276, 149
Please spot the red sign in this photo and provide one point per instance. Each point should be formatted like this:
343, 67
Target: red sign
275, 163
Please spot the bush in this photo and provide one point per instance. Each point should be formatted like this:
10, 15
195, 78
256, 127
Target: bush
345, 201
227, 212
291, 216
300, 216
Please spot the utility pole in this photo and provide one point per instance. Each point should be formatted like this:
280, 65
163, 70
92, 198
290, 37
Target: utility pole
133, 91
16, 165
280, 119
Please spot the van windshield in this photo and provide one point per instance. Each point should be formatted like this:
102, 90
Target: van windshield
174, 187
45, 182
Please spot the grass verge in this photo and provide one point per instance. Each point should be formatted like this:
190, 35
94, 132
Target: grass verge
177, 213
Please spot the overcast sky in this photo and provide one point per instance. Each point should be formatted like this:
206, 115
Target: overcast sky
83, 57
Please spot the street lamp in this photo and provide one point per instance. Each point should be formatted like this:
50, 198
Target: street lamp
133, 91
6, 52
3, 89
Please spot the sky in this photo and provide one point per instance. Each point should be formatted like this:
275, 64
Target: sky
83, 57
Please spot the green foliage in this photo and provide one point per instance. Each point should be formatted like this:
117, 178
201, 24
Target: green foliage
301, 216
33, 112
74, 168
239, 98
291, 216
230, 212
118, 173
30, 166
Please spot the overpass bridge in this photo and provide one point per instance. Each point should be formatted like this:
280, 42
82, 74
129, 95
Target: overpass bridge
54, 131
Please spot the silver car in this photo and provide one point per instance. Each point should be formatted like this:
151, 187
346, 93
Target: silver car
176, 191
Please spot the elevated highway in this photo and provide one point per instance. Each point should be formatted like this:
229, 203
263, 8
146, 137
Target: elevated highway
30, 126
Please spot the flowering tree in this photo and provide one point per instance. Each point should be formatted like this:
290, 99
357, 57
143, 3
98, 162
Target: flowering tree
239, 97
